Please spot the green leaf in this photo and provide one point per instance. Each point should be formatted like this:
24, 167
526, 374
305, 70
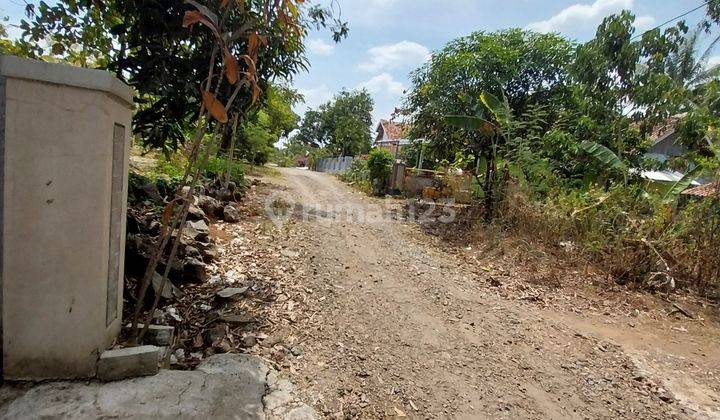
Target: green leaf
500, 109
481, 165
466, 122
682, 184
517, 172
603, 155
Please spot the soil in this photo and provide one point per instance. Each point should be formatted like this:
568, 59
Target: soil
380, 319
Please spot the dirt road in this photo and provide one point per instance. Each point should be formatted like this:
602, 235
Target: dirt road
397, 326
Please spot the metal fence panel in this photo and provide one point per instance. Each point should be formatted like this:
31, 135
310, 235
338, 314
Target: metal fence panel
333, 165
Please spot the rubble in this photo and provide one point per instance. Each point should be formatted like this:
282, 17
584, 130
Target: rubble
221, 292
157, 335
231, 214
197, 251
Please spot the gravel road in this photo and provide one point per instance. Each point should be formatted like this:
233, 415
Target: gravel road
401, 327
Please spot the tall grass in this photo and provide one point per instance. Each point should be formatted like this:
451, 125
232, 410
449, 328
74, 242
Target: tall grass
630, 233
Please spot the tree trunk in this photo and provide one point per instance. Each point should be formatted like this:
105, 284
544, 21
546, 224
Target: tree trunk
488, 187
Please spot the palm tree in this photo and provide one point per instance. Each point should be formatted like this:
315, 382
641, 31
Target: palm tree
689, 69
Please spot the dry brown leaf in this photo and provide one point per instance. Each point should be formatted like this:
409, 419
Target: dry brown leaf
253, 42
250, 63
224, 3
192, 17
231, 67
214, 107
255, 92
167, 211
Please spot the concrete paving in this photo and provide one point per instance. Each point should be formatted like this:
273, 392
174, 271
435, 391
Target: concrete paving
223, 386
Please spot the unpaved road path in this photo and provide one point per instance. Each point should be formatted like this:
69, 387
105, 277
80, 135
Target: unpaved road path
399, 327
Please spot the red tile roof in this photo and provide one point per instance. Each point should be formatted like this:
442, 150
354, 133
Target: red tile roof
705, 190
392, 130
665, 128
662, 129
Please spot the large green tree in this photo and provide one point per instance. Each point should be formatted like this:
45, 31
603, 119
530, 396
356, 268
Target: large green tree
528, 68
274, 119
341, 126
146, 44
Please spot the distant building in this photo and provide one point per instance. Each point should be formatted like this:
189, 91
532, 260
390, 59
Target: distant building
665, 146
664, 139
391, 136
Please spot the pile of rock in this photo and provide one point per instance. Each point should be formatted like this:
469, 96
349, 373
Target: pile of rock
196, 248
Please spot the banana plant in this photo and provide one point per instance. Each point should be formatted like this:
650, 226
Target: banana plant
493, 129
603, 155
682, 184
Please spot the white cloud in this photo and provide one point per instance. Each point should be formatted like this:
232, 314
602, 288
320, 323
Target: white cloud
713, 61
315, 97
578, 16
643, 23
319, 47
404, 54
383, 84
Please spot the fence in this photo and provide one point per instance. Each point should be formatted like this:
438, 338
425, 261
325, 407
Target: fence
431, 184
333, 165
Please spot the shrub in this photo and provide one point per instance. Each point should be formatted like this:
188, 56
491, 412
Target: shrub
286, 162
379, 166
172, 166
358, 175
630, 233
217, 166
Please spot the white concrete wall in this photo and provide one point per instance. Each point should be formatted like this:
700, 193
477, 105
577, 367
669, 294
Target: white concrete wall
58, 143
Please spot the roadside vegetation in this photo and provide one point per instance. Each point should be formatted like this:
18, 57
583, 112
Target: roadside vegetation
556, 134
339, 127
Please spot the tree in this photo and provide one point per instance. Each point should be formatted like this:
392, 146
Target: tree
529, 67
273, 120
622, 88
686, 67
379, 166
342, 125
145, 43
490, 128
11, 46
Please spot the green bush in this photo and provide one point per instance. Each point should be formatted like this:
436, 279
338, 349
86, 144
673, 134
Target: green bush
172, 166
286, 162
358, 175
628, 231
217, 166
379, 166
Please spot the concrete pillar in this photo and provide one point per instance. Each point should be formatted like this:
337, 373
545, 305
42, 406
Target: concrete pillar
64, 144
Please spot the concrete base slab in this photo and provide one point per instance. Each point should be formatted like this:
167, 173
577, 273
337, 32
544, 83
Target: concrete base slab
224, 386
128, 363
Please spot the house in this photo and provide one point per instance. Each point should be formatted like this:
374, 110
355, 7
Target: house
391, 136
664, 140
706, 190
665, 146
301, 161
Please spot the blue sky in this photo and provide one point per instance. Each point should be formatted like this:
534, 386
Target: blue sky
389, 38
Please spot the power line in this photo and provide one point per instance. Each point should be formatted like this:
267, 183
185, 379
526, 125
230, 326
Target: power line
671, 20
